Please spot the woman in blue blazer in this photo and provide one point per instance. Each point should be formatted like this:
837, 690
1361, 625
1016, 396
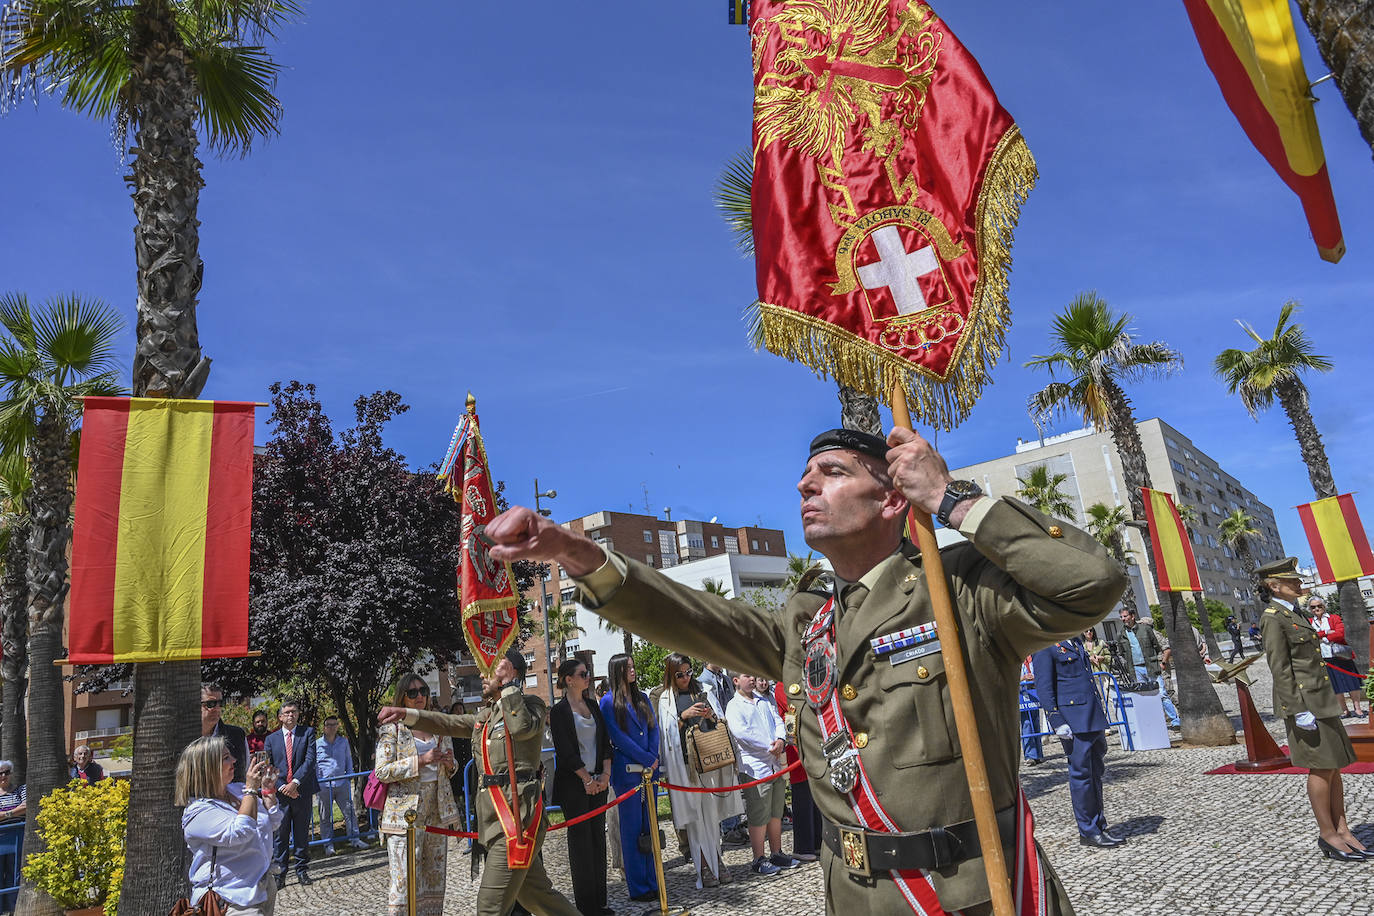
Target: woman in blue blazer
633, 727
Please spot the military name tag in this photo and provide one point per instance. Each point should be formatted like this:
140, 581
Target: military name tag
920, 651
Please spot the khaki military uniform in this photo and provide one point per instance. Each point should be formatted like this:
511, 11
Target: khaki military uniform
1022, 582
524, 717
1301, 684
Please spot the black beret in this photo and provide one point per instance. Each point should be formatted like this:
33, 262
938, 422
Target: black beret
517, 660
852, 439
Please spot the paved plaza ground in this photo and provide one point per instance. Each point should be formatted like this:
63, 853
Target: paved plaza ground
1198, 845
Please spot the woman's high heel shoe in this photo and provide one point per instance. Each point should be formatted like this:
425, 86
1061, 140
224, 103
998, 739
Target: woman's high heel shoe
1340, 855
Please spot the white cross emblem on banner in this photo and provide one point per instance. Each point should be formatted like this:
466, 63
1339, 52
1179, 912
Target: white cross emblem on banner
899, 270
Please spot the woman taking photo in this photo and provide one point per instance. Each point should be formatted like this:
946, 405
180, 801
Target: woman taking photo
1338, 657
633, 728
229, 836
1099, 655
682, 706
582, 773
416, 767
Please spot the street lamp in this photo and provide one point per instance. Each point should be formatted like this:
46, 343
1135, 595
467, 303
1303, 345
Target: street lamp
544, 590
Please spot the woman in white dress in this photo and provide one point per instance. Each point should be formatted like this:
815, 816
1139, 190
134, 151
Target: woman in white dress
682, 705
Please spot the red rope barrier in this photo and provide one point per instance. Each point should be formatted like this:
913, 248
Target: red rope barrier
591, 814
744, 785
568, 823
1330, 664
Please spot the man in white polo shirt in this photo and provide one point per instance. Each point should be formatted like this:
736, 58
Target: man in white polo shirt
761, 738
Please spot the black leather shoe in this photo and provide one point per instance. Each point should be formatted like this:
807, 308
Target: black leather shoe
281, 881
1340, 855
303, 878
1100, 840
649, 895
1031, 761
1120, 841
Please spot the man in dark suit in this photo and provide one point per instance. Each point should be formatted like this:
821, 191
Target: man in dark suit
211, 706
1064, 685
291, 749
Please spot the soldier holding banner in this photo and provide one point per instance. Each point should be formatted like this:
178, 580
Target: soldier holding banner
874, 728
510, 818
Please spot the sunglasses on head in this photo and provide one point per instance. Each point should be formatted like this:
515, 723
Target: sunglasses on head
211, 704
416, 692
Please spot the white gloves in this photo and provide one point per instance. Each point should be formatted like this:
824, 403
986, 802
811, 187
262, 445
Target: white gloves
1064, 731
1305, 721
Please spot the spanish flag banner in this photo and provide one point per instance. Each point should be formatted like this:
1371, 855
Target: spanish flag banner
887, 183
486, 587
1174, 561
1340, 547
1252, 49
164, 507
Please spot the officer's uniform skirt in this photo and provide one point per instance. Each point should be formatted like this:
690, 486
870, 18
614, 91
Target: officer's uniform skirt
1326, 748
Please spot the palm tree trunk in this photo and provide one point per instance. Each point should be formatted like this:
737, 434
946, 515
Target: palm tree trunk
859, 411
1129, 449
1344, 31
629, 641
14, 637
1204, 621
1199, 708
1355, 616
1247, 563
167, 363
50, 507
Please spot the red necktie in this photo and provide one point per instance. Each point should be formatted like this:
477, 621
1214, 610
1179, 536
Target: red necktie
289, 766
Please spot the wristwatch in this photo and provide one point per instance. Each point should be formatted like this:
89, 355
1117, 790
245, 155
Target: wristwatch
955, 493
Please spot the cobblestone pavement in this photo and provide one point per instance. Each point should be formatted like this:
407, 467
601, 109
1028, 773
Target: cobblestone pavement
1198, 846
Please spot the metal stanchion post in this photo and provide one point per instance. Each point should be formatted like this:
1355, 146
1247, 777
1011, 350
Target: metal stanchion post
410, 861
651, 799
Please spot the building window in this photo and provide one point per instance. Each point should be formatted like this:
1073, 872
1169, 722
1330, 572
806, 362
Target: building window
731, 544
1177, 465
648, 536
548, 602
1170, 442
1211, 541
765, 546
649, 559
753, 543
569, 595
715, 541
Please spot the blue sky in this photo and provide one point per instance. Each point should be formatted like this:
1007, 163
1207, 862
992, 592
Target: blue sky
521, 204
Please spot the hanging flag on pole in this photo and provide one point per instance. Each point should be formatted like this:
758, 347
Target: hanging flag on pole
887, 183
160, 547
739, 12
1339, 544
486, 587
1252, 50
1174, 560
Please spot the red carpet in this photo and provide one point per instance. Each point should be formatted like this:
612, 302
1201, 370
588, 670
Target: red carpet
1357, 767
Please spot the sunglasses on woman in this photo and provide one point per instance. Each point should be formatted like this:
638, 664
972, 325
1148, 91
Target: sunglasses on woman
417, 692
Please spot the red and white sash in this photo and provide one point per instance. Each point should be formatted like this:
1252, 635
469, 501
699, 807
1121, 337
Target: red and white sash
916, 885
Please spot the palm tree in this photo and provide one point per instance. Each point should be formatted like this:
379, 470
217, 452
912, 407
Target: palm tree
802, 571
1235, 531
1095, 356
734, 199
563, 627
1274, 370
1108, 525
1042, 490
715, 587
157, 67
49, 361
14, 608
1190, 517
1344, 32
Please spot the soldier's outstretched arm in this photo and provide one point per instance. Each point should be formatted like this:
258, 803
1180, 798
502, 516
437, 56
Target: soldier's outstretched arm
437, 723
642, 600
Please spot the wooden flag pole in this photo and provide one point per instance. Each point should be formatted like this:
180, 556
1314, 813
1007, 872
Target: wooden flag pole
956, 674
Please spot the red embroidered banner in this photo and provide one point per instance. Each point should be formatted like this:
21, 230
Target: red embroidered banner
887, 182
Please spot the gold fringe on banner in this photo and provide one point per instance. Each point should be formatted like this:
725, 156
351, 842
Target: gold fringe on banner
941, 402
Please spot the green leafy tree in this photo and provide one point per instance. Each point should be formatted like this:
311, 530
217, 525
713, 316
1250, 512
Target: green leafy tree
734, 199
1273, 370
563, 627
1043, 490
1108, 525
1235, 531
50, 358
14, 610
82, 826
802, 571
650, 662
1095, 356
159, 69
715, 587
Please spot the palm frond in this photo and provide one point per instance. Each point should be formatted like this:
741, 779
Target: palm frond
238, 104
77, 337
735, 201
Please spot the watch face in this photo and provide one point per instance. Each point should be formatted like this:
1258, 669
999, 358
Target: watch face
963, 488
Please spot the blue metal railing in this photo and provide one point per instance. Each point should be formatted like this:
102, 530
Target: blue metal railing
11, 844
1104, 690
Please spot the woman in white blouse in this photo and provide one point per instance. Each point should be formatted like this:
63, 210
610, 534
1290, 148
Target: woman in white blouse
229, 835
416, 767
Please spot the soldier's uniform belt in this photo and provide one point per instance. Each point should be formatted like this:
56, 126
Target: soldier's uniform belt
502, 779
937, 848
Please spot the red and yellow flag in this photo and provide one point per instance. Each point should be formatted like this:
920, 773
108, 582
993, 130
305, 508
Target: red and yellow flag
1174, 561
1252, 49
887, 182
486, 587
164, 510
1339, 544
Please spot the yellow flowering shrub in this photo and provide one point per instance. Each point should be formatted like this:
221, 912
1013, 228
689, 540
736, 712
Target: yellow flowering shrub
83, 828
